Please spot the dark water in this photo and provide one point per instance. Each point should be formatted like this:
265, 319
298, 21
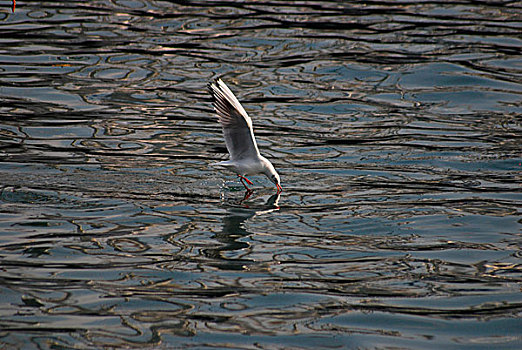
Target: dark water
395, 126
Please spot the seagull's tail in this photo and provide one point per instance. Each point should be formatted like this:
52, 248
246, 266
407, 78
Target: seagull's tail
225, 163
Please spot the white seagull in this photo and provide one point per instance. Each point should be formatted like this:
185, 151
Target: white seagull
245, 158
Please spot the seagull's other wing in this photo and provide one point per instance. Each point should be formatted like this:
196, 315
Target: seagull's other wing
237, 125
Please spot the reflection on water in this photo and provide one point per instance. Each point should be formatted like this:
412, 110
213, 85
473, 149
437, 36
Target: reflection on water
396, 129
233, 231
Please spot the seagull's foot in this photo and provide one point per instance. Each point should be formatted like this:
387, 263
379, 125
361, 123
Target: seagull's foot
248, 193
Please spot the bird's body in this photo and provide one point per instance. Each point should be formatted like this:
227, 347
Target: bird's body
245, 158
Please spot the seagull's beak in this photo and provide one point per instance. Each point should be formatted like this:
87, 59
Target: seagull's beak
279, 188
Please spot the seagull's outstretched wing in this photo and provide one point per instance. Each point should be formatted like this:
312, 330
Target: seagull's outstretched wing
237, 125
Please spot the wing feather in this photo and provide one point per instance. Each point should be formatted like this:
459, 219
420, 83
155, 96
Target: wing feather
236, 124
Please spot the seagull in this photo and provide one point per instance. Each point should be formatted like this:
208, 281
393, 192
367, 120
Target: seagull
245, 158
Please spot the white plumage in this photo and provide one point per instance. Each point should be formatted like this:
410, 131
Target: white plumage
245, 158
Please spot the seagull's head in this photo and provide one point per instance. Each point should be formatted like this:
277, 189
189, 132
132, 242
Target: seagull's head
271, 173
274, 177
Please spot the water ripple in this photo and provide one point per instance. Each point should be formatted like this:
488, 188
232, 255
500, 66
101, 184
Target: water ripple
395, 127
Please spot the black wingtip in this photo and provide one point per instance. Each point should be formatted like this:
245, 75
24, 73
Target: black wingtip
210, 88
213, 82
213, 87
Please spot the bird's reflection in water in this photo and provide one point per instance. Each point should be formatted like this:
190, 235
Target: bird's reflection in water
228, 256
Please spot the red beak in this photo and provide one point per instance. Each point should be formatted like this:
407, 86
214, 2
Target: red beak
279, 188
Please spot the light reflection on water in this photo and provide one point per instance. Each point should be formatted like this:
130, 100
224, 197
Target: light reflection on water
396, 131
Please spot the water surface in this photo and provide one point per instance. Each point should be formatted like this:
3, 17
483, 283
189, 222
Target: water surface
395, 127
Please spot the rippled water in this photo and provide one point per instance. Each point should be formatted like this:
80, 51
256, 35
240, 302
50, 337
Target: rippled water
395, 127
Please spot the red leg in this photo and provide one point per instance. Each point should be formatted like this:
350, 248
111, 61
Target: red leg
248, 193
247, 180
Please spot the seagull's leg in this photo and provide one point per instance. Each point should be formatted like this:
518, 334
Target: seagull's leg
247, 180
241, 179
